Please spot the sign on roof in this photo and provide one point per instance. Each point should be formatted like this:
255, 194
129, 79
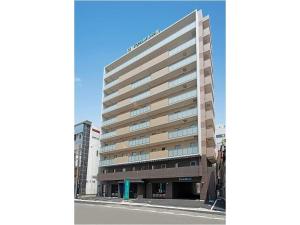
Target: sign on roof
143, 40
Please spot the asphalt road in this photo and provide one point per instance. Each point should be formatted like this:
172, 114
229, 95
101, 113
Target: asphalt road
119, 214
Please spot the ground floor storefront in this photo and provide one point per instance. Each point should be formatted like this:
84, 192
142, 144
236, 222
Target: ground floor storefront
179, 188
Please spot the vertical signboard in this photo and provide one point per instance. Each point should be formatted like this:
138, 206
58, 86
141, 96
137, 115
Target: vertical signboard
126, 189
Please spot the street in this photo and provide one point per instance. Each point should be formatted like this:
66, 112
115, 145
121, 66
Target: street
119, 214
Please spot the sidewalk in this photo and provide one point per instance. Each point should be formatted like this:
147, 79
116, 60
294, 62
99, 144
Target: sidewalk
178, 204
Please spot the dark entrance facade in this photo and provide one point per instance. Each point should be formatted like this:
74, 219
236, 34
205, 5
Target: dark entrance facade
178, 179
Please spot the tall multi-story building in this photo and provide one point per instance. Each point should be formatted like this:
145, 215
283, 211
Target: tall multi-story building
86, 157
158, 126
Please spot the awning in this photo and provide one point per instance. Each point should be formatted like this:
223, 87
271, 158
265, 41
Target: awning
131, 181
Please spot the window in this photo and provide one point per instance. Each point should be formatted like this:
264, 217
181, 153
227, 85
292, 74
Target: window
159, 190
193, 163
220, 135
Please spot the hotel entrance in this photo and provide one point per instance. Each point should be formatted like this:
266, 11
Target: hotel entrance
136, 189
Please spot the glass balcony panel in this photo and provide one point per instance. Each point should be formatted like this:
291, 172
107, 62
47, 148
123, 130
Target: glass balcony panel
112, 95
183, 132
183, 79
182, 47
140, 111
182, 97
140, 96
108, 122
183, 62
183, 151
153, 48
108, 135
141, 82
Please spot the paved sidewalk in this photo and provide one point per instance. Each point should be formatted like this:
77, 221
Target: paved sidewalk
166, 202
153, 203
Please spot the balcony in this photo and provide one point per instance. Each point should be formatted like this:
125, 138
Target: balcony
151, 80
211, 154
160, 106
155, 47
108, 122
155, 139
210, 133
108, 135
206, 31
183, 79
183, 62
189, 171
155, 124
152, 94
153, 155
207, 64
182, 97
208, 81
108, 148
108, 97
139, 157
207, 47
182, 47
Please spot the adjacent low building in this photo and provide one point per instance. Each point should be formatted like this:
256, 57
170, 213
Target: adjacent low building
86, 157
158, 121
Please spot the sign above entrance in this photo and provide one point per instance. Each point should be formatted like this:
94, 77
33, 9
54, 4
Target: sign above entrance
185, 179
143, 40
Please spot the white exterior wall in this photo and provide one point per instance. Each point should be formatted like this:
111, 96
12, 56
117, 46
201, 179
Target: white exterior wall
93, 161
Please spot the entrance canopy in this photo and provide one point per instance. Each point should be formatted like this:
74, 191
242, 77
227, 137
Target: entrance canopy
131, 181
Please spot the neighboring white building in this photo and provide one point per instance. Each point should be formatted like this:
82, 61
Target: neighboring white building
93, 161
220, 135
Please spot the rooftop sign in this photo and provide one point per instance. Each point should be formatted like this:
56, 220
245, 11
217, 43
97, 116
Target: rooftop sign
143, 40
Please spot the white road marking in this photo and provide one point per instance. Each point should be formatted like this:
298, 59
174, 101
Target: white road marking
161, 212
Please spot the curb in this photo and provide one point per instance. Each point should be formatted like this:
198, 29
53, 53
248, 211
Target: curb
199, 210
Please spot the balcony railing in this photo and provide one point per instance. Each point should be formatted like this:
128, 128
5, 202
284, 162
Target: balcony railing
108, 148
167, 40
106, 162
141, 82
183, 151
111, 84
182, 47
183, 62
108, 135
139, 157
139, 126
183, 132
108, 122
112, 95
183, 114
140, 141
111, 108
183, 79
140, 111
182, 97
140, 96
